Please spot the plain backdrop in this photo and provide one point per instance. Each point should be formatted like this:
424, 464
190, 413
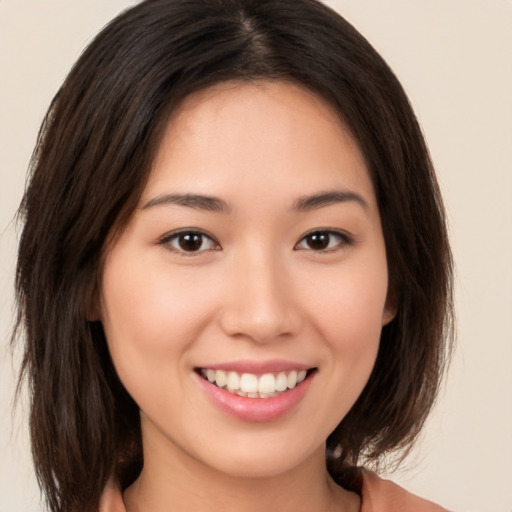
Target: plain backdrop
454, 58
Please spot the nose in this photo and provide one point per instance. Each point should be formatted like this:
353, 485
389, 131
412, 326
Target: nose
258, 302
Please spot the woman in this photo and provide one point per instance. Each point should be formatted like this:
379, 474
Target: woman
246, 288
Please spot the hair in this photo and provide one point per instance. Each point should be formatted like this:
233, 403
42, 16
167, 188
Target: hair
91, 162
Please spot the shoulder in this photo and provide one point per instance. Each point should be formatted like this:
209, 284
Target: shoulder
379, 495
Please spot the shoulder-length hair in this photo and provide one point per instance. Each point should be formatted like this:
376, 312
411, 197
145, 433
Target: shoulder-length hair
91, 163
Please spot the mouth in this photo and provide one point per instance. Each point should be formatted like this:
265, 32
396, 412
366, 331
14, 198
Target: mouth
251, 385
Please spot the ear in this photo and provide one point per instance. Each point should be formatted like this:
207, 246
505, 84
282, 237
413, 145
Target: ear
388, 314
93, 305
93, 315
390, 307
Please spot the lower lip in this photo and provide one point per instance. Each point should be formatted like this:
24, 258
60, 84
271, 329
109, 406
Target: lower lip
256, 409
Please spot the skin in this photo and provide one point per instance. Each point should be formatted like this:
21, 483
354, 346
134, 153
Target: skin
257, 290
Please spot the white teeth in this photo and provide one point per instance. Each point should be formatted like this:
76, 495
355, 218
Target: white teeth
292, 379
281, 382
221, 378
253, 386
249, 383
267, 383
233, 382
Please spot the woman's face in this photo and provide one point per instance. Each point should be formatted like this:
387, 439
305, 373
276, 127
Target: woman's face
254, 265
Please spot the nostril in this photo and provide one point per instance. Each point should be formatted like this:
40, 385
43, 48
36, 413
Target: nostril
261, 313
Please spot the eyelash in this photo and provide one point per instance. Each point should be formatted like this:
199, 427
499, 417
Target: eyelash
343, 240
168, 240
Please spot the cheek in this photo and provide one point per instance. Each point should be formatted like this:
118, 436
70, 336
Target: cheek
151, 320
147, 301
350, 303
150, 317
348, 311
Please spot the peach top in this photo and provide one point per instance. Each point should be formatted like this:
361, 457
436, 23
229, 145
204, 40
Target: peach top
380, 495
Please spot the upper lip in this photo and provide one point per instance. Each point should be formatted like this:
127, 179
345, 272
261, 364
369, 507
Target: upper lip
258, 367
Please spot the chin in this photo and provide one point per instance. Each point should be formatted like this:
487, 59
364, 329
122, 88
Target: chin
259, 460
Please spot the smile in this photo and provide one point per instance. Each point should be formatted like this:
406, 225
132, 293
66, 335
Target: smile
250, 385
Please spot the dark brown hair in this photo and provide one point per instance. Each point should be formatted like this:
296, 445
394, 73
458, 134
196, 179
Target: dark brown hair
91, 162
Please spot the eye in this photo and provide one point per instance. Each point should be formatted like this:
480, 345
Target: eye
323, 240
189, 242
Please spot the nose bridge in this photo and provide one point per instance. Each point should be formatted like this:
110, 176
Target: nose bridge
259, 303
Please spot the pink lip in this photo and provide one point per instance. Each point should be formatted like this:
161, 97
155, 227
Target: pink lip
256, 409
258, 367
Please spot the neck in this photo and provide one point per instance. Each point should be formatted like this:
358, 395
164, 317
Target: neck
174, 480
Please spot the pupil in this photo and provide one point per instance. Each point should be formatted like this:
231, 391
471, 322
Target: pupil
318, 241
190, 242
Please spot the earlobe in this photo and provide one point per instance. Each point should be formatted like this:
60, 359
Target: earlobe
390, 307
93, 316
388, 315
93, 313
93, 306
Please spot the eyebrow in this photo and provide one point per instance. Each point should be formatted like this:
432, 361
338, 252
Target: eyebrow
322, 199
214, 204
195, 201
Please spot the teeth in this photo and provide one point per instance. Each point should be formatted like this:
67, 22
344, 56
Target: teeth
281, 382
253, 386
221, 378
267, 383
233, 381
249, 383
292, 379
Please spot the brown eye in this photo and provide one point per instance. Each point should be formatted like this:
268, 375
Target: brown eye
323, 241
190, 242
318, 241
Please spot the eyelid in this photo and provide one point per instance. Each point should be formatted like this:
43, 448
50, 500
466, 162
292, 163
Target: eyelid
346, 240
168, 237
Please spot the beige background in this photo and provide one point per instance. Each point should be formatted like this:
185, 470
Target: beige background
454, 58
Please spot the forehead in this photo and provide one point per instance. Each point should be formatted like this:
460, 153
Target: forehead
265, 137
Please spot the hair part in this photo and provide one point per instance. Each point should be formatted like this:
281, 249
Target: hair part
93, 156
